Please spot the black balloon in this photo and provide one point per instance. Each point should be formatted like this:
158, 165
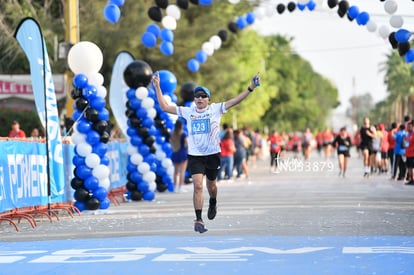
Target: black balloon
153, 149
349, 17
76, 183
162, 187
138, 74
392, 40
232, 26
187, 91
149, 140
163, 4
130, 113
291, 6
92, 204
100, 126
92, 114
343, 6
76, 93
280, 8
341, 13
332, 3
183, 4
135, 122
81, 194
155, 14
136, 195
143, 131
81, 103
403, 48
223, 35
105, 136
131, 186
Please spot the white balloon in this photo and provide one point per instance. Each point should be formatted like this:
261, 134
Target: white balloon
152, 113
166, 163
143, 168
102, 92
92, 160
152, 186
259, 13
371, 26
234, 2
170, 170
173, 11
169, 22
396, 21
159, 154
83, 149
147, 103
85, 57
168, 98
95, 79
131, 149
141, 93
384, 31
149, 176
208, 48
78, 137
101, 171
269, 12
136, 158
390, 6
216, 41
105, 182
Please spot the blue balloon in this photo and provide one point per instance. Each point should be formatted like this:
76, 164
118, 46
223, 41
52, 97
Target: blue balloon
402, 35
103, 114
144, 150
105, 160
353, 12
250, 18
201, 56
409, 56
168, 82
143, 186
89, 92
131, 132
80, 81
131, 167
149, 39
78, 160
362, 18
148, 196
147, 122
91, 183
100, 149
83, 172
83, 126
241, 22
97, 103
80, 205
167, 48
154, 29
136, 141
167, 35
136, 176
205, 2
112, 13
100, 193
135, 103
117, 2
311, 5
93, 137
300, 6
104, 204
193, 65
141, 112
130, 94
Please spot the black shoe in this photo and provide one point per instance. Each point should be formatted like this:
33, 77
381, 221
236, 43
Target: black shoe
212, 211
366, 175
199, 227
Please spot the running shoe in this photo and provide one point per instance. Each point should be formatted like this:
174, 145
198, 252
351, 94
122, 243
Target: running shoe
199, 227
212, 211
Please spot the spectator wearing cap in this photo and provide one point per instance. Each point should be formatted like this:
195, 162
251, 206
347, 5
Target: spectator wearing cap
203, 124
15, 131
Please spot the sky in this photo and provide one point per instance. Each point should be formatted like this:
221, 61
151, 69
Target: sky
342, 51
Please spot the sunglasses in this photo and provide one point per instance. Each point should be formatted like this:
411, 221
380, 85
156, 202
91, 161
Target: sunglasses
201, 95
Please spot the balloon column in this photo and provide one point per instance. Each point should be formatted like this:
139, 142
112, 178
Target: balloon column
90, 132
112, 13
145, 172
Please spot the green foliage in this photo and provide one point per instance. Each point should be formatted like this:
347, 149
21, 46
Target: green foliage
27, 120
292, 96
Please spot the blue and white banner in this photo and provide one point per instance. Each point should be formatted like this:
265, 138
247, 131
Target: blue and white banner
118, 88
31, 40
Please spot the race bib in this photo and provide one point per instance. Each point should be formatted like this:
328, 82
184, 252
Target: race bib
200, 126
342, 148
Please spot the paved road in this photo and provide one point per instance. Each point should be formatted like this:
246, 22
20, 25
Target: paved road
303, 220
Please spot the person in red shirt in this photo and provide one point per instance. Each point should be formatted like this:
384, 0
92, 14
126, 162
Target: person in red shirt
275, 142
328, 138
15, 131
409, 153
226, 155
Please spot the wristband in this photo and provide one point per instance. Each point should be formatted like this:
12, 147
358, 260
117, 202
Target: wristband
250, 89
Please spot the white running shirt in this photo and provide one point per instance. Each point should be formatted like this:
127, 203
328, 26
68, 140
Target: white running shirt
203, 128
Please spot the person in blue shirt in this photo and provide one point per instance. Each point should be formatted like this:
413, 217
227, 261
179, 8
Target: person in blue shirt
399, 153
